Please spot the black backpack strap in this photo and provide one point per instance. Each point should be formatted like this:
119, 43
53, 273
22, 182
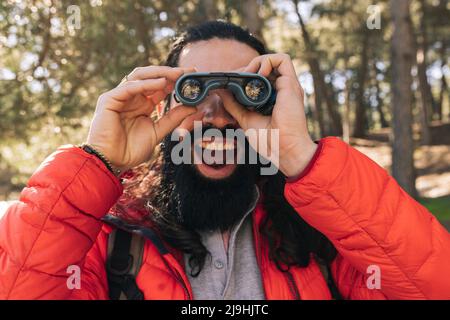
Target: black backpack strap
125, 251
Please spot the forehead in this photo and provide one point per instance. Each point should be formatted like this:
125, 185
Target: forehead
217, 55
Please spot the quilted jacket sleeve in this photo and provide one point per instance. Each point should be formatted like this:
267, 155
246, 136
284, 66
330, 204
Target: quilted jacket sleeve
373, 223
94, 283
54, 225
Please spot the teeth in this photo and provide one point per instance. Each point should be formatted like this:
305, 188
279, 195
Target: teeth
218, 146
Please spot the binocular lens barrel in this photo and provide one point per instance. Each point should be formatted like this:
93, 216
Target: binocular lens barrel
191, 89
255, 90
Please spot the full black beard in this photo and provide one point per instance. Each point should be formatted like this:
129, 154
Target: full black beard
202, 204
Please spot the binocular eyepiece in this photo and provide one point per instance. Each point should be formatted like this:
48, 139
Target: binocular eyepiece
251, 90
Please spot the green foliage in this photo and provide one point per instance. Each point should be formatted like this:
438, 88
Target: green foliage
51, 73
439, 206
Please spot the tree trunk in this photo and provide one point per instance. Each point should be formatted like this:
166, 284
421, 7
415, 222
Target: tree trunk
347, 91
402, 60
444, 85
312, 117
347, 106
361, 112
144, 32
251, 18
319, 79
318, 115
383, 122
426, 97
207, 10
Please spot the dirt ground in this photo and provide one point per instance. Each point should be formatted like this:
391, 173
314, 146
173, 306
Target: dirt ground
432, 165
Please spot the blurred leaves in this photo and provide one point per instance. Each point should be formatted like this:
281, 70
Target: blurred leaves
51, 72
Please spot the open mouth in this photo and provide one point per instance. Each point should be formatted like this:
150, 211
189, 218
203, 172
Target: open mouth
214, 145
214, 157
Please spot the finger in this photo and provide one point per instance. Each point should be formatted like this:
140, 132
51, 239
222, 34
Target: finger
254, 65
263, 66
283, 64
151, 72
133, 88
266, 67
171, 120
158, 96
280, 62
237, 111
188, 122
285, 83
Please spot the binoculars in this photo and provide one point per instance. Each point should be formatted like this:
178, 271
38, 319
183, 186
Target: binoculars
251, 90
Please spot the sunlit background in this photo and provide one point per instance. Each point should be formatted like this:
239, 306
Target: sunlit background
56, 57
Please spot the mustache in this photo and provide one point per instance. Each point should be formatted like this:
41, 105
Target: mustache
247, 155
204, 128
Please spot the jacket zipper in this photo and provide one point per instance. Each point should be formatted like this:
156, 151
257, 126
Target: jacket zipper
181, 281
292, 285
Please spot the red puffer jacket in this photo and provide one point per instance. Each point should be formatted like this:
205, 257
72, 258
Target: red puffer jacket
343, 194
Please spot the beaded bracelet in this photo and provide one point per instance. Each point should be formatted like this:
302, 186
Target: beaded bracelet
89, 149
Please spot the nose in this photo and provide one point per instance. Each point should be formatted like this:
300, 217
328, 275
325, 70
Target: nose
215, 113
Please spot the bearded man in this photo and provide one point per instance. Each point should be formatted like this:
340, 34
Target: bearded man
329, 224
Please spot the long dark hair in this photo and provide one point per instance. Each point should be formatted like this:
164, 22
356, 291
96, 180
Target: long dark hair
291, 240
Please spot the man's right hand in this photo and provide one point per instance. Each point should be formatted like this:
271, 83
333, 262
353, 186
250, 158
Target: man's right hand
122, 128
